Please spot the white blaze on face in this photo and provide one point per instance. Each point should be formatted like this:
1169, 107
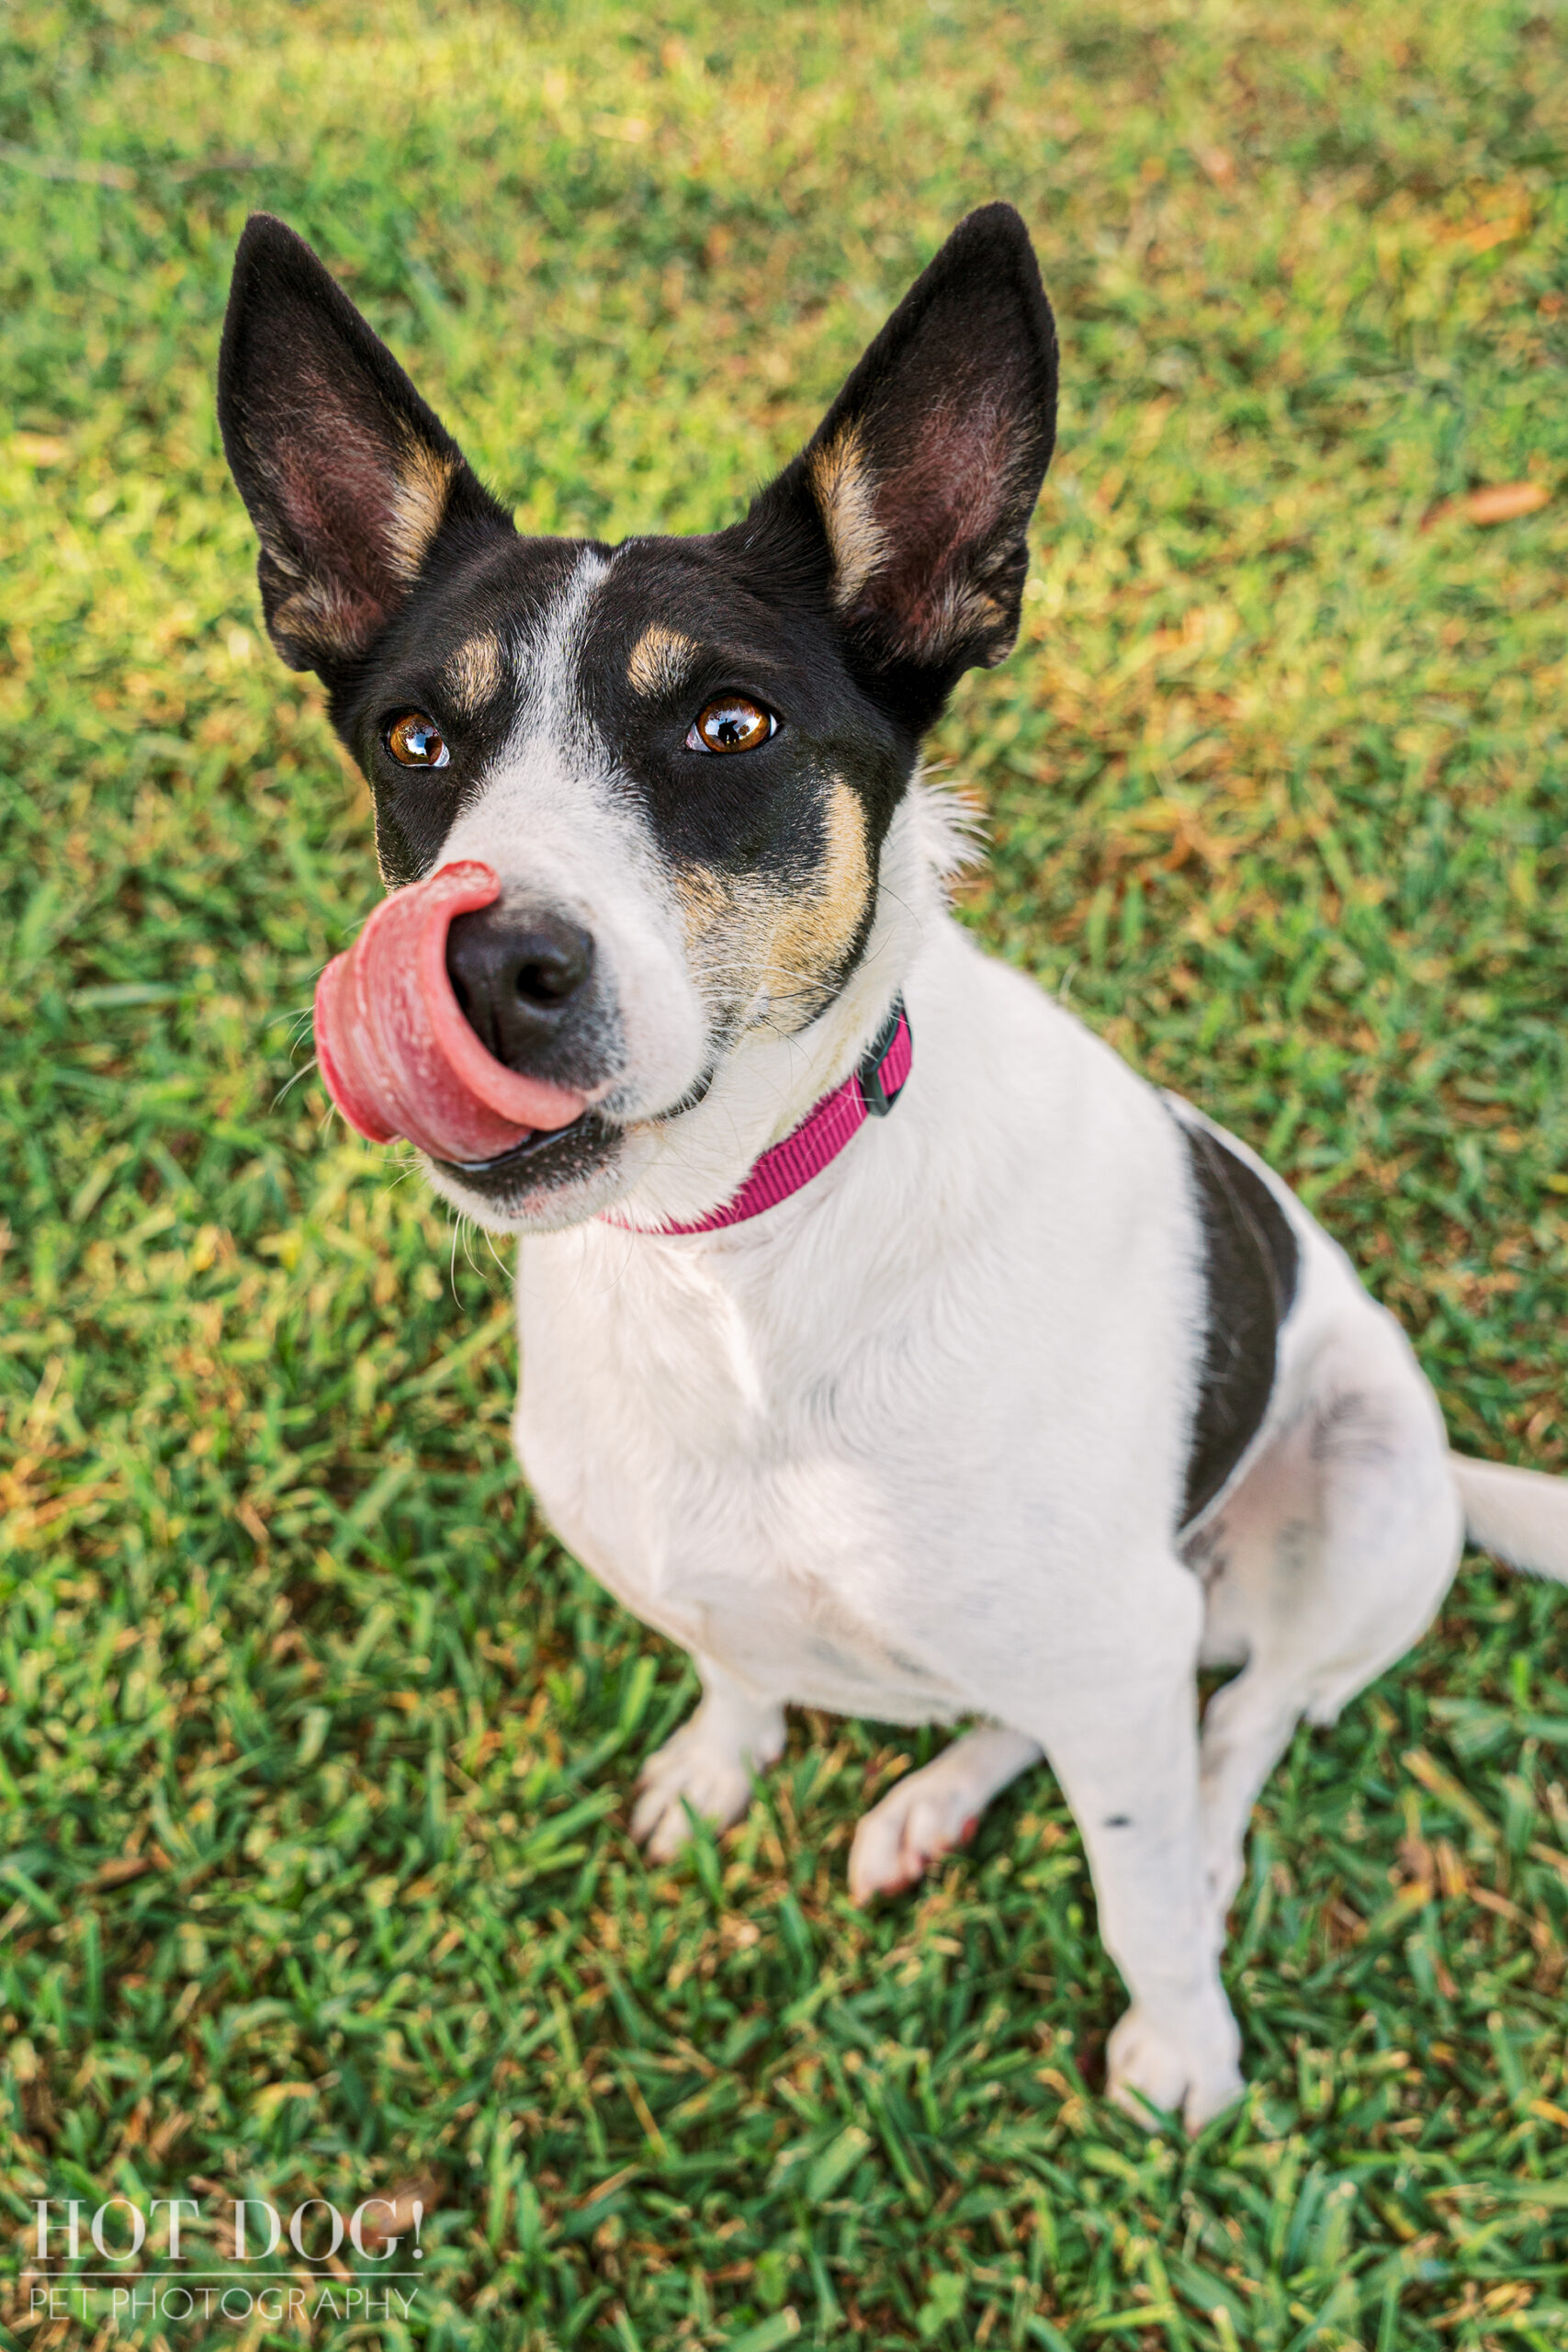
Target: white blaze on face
561, 831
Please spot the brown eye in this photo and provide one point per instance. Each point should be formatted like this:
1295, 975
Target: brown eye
416, 742
733, 723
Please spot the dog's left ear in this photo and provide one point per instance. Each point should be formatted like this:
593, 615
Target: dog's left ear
926, 469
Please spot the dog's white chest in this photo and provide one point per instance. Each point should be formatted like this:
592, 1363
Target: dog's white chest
860, 1455
724, 1501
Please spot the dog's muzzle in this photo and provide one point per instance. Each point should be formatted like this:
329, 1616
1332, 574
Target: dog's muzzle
401, 1055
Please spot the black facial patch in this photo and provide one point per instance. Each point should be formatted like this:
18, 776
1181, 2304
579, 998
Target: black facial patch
774, 850
457, 650
723, 621
1251, 1269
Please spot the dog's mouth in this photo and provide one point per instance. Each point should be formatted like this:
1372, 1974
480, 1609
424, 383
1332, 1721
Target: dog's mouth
536, 1168
540, 1163
400, 1059
584, 1147
521, 1155
396, 1054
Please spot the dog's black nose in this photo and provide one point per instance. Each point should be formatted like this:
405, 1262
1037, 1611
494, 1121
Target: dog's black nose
515, 975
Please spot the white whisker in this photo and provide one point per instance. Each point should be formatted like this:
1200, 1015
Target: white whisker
303, 1071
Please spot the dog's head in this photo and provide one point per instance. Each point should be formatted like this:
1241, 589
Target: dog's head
681, 757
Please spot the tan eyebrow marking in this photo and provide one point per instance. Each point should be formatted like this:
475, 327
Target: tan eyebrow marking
473, 672
845, 491
661, 660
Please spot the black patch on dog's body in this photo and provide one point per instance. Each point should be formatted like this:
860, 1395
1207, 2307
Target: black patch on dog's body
1251, 1269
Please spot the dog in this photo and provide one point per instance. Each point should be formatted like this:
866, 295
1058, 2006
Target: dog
886, 1341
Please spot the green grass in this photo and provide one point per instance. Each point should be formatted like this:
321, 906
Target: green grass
314, 1747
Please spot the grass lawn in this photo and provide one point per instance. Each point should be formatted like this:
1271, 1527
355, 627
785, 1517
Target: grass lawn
314, 1747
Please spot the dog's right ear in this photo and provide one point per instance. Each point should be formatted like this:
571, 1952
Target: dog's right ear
916, 488
349, 477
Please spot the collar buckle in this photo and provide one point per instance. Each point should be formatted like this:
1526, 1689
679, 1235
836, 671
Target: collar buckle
868, 1075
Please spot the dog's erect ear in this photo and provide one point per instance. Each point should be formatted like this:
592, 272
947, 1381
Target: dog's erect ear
926, 469
349, 477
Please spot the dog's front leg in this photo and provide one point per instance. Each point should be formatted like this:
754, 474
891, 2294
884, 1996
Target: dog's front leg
1119, 1727
709, 1765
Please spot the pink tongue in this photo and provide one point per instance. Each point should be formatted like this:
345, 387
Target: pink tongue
396, 1055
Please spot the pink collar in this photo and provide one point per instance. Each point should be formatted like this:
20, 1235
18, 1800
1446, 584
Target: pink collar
869, 1093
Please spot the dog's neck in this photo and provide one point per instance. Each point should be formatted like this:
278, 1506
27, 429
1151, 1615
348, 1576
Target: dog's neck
769, 1084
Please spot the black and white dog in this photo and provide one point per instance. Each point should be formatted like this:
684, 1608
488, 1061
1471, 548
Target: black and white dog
1017, 1405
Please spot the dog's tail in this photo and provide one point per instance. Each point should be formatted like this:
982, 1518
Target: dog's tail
1522, 1515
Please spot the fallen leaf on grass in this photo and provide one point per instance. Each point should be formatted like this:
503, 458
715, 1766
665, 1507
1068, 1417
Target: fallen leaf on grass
251, 1521
1485, 234
270, 2097
1497, 501
124, 1868
168, 2131
393, 2215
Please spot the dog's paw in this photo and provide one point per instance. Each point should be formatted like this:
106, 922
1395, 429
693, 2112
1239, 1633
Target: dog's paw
926, 1815
1191, 2069
700, 1767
